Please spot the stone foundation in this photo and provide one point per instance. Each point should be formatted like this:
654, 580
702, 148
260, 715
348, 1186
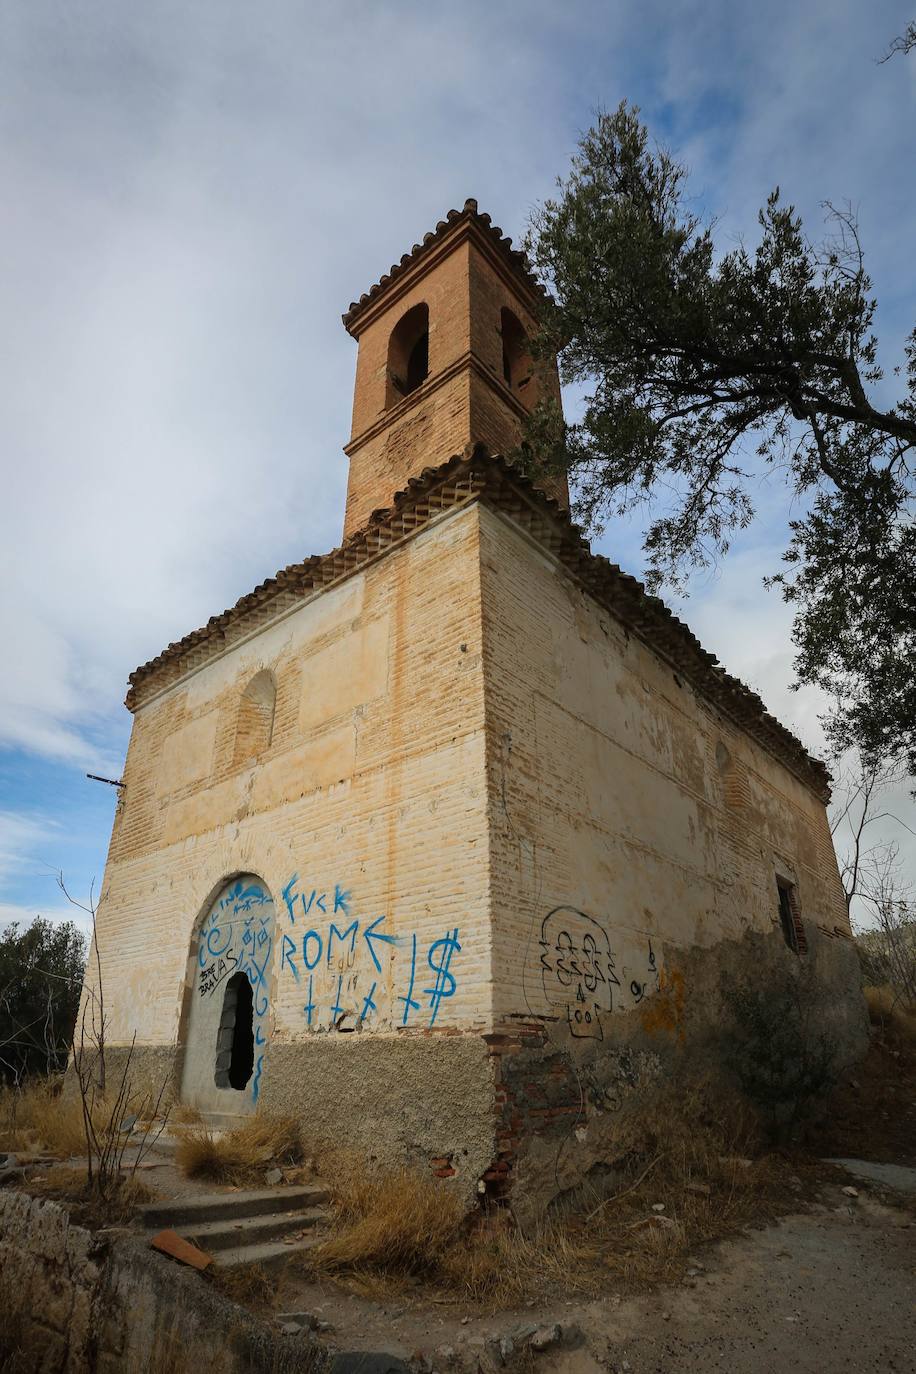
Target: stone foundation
421, 1100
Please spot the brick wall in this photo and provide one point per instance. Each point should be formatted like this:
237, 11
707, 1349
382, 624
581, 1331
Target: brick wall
465, 398
617, 792
373, 785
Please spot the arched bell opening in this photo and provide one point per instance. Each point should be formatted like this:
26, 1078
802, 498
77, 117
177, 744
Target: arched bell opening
408, 354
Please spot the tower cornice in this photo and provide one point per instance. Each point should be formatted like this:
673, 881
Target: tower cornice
459, 226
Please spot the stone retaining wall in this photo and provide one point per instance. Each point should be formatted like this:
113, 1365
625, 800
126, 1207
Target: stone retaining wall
77, 1303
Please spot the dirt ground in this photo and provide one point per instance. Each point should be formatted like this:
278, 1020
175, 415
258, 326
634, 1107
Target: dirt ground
829, 1286
828, 1290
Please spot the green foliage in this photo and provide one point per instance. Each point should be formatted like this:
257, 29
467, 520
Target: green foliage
777, 1045
41, 973
704, 373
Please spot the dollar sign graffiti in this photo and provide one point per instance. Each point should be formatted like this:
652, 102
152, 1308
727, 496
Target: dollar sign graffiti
444, 985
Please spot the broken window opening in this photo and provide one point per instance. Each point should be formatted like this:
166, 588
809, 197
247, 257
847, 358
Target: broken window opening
793, 931
235, 1039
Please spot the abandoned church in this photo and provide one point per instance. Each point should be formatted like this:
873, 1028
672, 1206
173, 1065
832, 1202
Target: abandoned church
446, 840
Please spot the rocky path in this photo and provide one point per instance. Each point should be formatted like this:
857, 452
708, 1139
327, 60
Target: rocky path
831, 1290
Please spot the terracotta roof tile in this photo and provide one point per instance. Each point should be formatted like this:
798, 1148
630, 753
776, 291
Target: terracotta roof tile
478, 475
468, 214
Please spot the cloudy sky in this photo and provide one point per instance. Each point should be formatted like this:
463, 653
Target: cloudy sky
193, 192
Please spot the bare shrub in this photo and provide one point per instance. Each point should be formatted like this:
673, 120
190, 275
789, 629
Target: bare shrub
888, 1015
87, 1206
777, 1043
109, 1111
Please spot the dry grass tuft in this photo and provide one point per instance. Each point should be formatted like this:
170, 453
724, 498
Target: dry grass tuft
894, 1018
241, 1155
400, 1222
40, 1117
249, 1285
695, 1161
184, 1115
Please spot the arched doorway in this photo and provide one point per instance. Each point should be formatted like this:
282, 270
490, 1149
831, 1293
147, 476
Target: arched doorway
229, 1000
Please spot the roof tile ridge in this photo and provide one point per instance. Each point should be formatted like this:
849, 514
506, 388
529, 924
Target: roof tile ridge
470, 213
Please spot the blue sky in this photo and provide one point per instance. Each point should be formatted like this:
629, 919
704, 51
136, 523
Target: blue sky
193, 194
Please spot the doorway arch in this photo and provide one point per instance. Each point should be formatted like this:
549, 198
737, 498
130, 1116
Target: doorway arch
229, 978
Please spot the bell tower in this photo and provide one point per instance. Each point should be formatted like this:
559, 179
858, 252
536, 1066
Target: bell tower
443, 359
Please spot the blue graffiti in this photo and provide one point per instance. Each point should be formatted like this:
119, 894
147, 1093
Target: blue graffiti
370, 935
445, 982
336, 946
238, 935
409, 1003
368, 1004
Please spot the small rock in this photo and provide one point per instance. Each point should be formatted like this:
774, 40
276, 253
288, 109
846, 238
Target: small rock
273, 1177
506, 1347
851, 1192
446, 1352
300, 1318
465, 1320
658, 1207
702, 1188
545, 1336
521, 1333
324, 1326
291, 1328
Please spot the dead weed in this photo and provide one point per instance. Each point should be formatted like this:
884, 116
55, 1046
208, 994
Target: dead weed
684, 1173
892, 1017
241, 1155
40, 1116
249, 1285
86, 1205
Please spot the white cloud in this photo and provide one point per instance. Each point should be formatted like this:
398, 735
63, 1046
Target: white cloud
20, 836
193, 194
23, 914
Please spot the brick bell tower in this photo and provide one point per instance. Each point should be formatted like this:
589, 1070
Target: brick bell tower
443, 360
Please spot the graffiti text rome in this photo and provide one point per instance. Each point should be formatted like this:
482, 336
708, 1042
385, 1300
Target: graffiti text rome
329, 944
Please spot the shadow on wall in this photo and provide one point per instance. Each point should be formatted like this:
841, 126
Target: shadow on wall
773, 1026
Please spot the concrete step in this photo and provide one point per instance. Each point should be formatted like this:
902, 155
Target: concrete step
233, 1232
270, 1255
182, 1212
222, 1121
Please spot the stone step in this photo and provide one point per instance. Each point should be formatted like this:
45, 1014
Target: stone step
222, 1121
181, 1212
268, 1255
233, 1232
